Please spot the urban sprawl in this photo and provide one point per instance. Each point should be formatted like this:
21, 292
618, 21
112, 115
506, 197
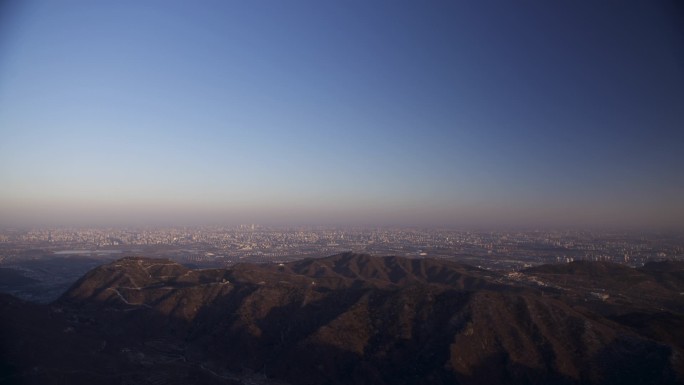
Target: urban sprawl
225, 246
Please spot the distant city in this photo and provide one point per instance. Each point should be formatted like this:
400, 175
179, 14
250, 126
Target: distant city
226, 246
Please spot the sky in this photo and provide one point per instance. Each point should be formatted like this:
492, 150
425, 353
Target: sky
410, 113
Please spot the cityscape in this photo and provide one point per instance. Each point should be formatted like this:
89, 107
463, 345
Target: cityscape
225, 246
341, 192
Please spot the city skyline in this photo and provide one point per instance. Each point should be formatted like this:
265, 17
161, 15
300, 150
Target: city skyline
355, 113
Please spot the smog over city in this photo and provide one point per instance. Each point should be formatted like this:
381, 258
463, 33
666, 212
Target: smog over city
341, 192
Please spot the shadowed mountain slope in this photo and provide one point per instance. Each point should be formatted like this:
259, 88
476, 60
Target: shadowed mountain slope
345, 319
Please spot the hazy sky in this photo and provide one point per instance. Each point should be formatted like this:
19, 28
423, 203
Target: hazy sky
342, 112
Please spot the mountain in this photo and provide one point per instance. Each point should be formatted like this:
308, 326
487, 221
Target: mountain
653, 287
347, 319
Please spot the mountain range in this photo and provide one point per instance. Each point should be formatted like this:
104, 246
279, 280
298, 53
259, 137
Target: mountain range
351, 319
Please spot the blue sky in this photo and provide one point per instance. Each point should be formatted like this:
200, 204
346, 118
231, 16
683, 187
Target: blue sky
330, 112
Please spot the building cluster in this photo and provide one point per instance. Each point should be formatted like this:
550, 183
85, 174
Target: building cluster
227, 245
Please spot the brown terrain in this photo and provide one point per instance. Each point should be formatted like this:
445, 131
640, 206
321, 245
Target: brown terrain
351, 319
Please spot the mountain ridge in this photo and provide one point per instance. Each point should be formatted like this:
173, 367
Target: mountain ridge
347, 318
